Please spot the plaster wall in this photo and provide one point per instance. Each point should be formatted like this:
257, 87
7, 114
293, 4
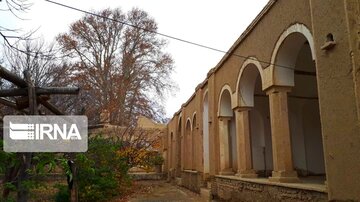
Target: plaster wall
337, 74
261, 42
233, 144
261, 136
338, 101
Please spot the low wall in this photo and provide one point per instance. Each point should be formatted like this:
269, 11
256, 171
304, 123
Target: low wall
192, 180
228, 189
148, 176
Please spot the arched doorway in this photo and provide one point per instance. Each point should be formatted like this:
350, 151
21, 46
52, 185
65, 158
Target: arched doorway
188, 145
254, 106
171, 152
227, 134
179, 148
194, 141
206, 152
296, 51
261, 141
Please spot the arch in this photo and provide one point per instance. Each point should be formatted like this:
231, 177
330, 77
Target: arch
171, 157
194, 141
179, 147
205, 118
225, 102
227, 132
245, 84
285, 53
294, 65
206, 92
179, 122
188, 120
188, 144
194, 120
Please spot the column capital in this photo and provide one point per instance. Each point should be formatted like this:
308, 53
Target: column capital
240, 109
277, 89
224, 118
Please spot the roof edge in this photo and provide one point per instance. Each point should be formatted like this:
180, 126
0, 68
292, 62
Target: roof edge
247, 31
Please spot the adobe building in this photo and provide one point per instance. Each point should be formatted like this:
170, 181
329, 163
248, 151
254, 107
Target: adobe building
278, 117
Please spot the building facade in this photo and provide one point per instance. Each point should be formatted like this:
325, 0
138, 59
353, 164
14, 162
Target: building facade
282, 109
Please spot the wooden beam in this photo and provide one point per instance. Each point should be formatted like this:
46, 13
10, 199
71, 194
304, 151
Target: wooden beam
291, 96
300, 72
51, 107
57, 90
39, 91
13, 105
8, 103
15, 79
13, 92
23, 102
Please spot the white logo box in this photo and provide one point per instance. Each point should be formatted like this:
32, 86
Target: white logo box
45, 133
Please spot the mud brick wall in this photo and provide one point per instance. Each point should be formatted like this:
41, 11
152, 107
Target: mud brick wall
192, 181
236, 190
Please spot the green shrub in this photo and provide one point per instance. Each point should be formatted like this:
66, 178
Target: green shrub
63, 195
157, 159
101, 170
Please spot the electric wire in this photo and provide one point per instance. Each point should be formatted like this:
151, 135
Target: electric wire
166, 35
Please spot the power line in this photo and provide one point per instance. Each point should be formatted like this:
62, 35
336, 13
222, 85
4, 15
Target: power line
164, 35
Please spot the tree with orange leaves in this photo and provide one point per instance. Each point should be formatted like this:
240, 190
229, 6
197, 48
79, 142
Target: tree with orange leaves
120, 68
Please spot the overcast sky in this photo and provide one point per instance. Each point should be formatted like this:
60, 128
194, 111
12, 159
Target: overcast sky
212, 23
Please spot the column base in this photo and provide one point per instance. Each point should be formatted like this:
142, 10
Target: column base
284, 177
227, 171
178, 181
247, 174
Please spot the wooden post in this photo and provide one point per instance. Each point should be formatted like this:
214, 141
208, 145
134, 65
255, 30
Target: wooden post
31, 97
26, 157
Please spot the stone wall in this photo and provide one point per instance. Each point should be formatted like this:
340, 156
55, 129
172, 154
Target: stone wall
237, 190
192, 180
148, 176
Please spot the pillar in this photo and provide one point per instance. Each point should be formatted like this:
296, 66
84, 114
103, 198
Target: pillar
280, 133
193, 148
224, 139
170, 154
183, 151
189, 151
179, 151
243, 143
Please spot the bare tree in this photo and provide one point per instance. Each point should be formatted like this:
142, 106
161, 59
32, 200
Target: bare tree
11, 36
38, 58
122, 69
48, 70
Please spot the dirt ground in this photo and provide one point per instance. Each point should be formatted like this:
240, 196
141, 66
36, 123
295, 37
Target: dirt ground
158, 191
140, 191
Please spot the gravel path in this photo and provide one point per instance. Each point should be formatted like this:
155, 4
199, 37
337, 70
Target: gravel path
161, 191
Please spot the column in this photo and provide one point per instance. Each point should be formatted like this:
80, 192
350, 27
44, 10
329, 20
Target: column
280, 133
224, 139
170, 154
193, 148
187, 149
243, 143
183, 152
179, 149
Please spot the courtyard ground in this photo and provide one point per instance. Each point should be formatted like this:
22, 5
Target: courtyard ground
139, 191
158, 191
